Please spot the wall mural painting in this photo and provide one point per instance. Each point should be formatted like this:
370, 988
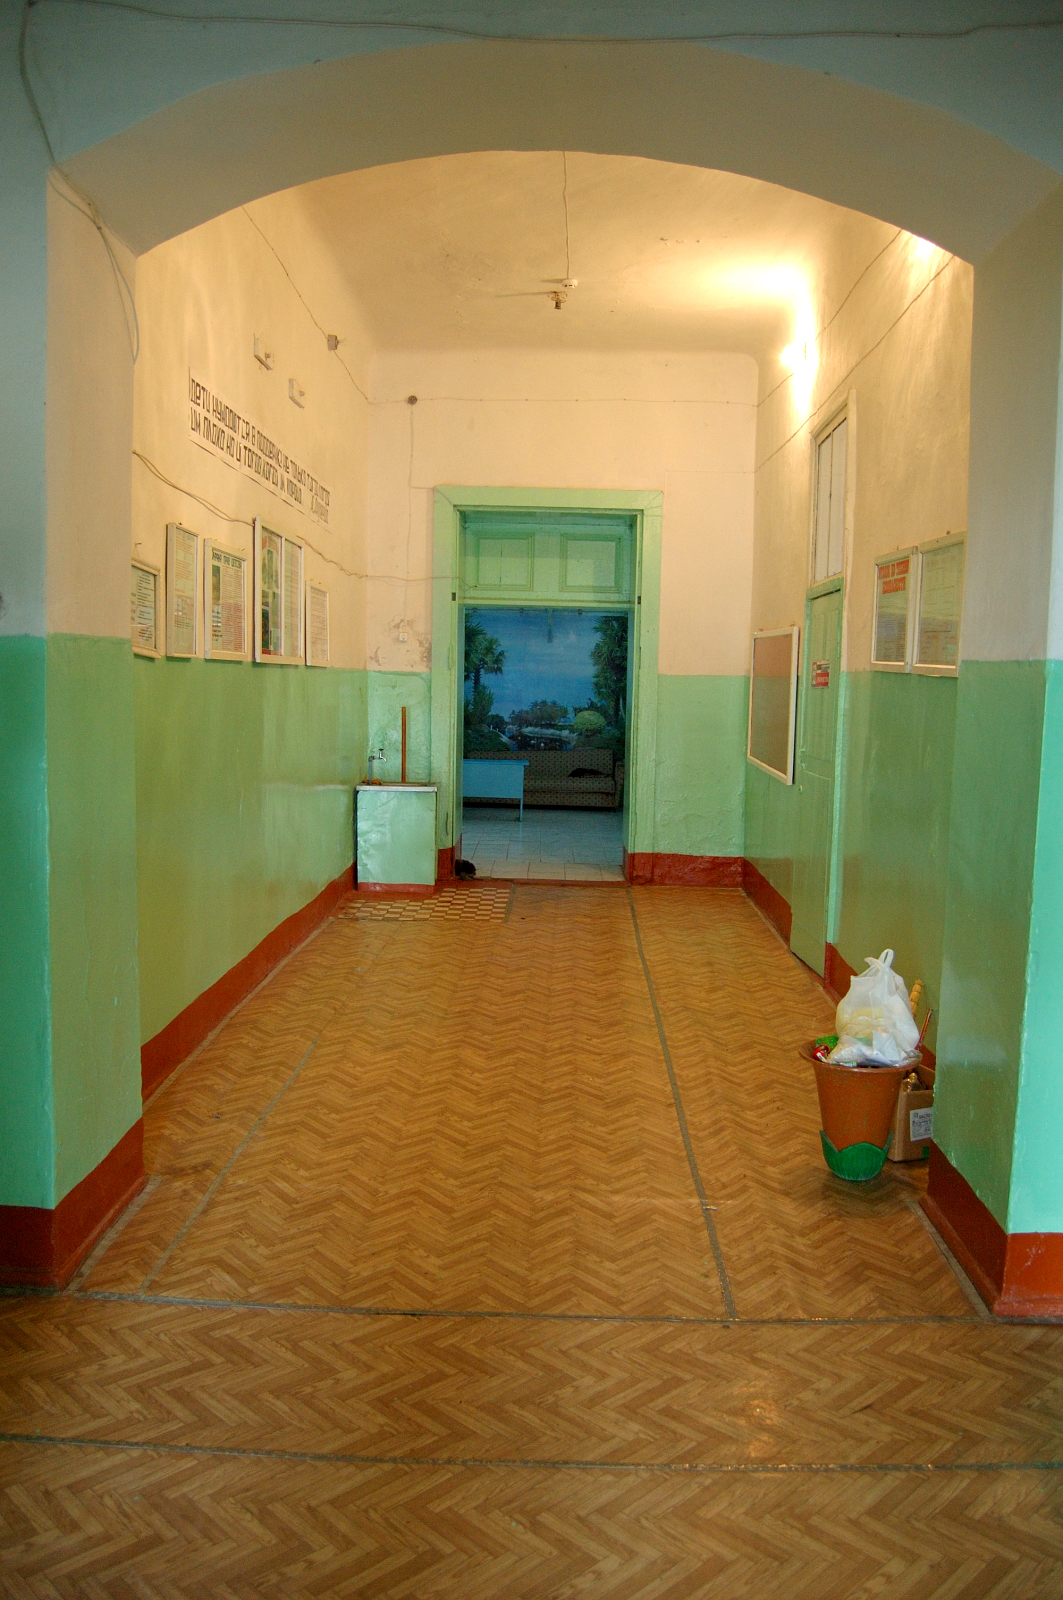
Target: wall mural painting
542, 679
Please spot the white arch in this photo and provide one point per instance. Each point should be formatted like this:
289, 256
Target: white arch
906, 163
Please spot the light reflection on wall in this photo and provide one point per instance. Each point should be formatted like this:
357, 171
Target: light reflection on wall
787, 286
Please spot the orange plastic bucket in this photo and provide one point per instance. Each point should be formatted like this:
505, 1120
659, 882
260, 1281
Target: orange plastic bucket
856, 1105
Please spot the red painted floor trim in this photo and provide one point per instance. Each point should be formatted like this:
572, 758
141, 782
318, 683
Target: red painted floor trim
445, 862
175, 1043
1017, 1274
695, 872
767, 899
837, 973
44, 1248
398, 891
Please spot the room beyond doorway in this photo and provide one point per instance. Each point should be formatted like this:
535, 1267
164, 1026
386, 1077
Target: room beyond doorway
546, 710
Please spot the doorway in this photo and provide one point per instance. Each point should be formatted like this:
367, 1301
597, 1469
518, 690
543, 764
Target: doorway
564, 552
545, 707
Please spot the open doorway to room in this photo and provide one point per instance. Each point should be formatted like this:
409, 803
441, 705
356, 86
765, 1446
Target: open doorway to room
547, 694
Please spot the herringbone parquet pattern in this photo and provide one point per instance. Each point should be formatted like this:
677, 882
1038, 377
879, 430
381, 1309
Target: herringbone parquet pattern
423, 1301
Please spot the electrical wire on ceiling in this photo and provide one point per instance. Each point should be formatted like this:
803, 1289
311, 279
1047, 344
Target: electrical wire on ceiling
330, 339
444, 30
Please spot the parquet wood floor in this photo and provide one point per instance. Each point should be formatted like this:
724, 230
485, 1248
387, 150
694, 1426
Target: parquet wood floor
489, 1252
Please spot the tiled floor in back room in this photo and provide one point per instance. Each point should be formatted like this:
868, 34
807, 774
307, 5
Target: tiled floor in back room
488, 1253
581, 845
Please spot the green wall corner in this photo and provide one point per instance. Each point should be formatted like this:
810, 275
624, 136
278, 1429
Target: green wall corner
993, 837
1035, 1201
27, 1173
70, 1064
93, 900
245, 786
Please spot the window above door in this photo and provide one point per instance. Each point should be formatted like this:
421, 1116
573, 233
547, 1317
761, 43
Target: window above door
828, 519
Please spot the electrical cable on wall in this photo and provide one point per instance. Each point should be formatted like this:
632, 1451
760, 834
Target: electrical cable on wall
443, 30
329, 338
859, 360
88, 208
837, 312
248, 522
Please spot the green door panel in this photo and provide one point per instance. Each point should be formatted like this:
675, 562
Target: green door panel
820, 675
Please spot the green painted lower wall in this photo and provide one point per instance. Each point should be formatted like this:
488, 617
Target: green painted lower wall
1035, 1201
93, 901
700, 767
771, 828
894, 817
27, 1170
999, 728
70, 1062
245, 778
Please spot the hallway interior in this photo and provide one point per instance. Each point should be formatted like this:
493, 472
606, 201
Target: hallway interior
526, 1279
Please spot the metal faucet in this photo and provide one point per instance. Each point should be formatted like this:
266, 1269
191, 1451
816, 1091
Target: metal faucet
375, 759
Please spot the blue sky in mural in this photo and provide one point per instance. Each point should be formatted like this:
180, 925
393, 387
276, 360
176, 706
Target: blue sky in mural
548, 656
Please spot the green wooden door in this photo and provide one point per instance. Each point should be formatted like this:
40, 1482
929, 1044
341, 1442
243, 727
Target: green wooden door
820, 673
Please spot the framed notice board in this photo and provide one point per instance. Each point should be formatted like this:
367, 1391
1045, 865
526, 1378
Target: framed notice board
278, 608
182, 573
317, 625
936, 650
895, 586
225, 609
145, 608
773, 701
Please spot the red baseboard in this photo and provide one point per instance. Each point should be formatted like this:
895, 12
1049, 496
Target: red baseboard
44, 1248
837, 973
1017, 1274
398, 891
174, 1043
767, 899
445, 862
679, 871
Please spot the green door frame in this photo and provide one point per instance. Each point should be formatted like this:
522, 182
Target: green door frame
832, 895
448, 601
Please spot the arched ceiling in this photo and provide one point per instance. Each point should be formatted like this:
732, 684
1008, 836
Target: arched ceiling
467, 251
905, 163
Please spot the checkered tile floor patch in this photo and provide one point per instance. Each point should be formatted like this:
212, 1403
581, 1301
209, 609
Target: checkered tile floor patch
485, 902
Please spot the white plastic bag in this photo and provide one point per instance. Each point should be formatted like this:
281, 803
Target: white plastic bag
875, 1023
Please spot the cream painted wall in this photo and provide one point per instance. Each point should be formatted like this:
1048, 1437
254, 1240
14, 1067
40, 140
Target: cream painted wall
895, 347
89, 424
569, 420
203, 298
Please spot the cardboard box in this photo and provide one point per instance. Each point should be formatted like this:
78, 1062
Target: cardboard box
913, 1125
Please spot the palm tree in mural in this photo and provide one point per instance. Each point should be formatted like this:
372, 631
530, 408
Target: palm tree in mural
484, 655
609, 657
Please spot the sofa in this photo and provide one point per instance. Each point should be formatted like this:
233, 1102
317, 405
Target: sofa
591, 779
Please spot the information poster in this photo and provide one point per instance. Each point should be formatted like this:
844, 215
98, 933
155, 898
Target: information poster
225, 583
940, 604
182, 611
144, 609
278, 597
317, 626
893, 591
293, 599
